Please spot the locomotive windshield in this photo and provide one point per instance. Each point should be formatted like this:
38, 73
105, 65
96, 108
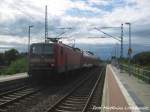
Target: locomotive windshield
42, 49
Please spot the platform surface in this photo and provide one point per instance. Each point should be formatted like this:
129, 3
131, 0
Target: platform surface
4, 78
124, 93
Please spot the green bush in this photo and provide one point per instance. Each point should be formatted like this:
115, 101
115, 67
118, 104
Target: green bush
18, 66
11, 55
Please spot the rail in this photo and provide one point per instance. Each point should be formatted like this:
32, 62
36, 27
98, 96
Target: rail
10, 97
72, 98
92, 92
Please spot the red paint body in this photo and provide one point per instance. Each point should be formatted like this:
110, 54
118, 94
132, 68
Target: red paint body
63, 59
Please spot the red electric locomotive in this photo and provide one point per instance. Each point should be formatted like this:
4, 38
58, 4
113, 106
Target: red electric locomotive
55, 58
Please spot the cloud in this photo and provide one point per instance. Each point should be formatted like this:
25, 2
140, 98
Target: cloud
32, 9
16, 16
99, 2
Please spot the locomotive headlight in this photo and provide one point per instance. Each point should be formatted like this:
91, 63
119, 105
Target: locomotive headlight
51, 65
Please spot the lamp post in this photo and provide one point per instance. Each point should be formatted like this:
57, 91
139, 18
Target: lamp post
129, 49
29, 44
29, 39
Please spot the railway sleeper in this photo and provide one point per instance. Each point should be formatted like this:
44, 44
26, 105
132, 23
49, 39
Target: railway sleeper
71, 108
67, 109
71, 104
60, 110
77, 99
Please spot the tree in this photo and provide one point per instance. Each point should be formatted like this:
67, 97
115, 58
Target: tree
11, 55
142, 58
2, 62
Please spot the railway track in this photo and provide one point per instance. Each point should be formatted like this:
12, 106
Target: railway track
8, 98
13, 84
80, 97
26, 89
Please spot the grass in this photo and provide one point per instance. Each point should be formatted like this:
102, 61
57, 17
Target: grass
18, 66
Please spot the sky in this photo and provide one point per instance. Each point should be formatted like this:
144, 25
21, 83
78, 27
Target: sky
82, 16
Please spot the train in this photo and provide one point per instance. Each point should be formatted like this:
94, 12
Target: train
56, 58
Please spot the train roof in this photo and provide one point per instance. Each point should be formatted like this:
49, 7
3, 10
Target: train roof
74, 48
89, 54
85, 53
59, 43
40, 43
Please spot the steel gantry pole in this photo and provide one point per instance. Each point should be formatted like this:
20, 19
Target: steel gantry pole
29, 30
121, 49
120, 39
46, 24
28, 54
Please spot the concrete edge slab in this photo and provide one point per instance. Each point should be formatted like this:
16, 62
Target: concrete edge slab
127, 96
105, 95
13, 77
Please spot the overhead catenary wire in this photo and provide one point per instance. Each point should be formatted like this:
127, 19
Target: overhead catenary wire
116, 38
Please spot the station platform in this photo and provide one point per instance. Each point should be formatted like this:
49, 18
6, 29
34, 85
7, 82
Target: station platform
5, 78
124, 93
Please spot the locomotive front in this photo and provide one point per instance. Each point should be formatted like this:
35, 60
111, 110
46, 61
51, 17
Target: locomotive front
41, 59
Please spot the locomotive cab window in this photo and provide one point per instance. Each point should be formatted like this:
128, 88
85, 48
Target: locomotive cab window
36, 49
46, 49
